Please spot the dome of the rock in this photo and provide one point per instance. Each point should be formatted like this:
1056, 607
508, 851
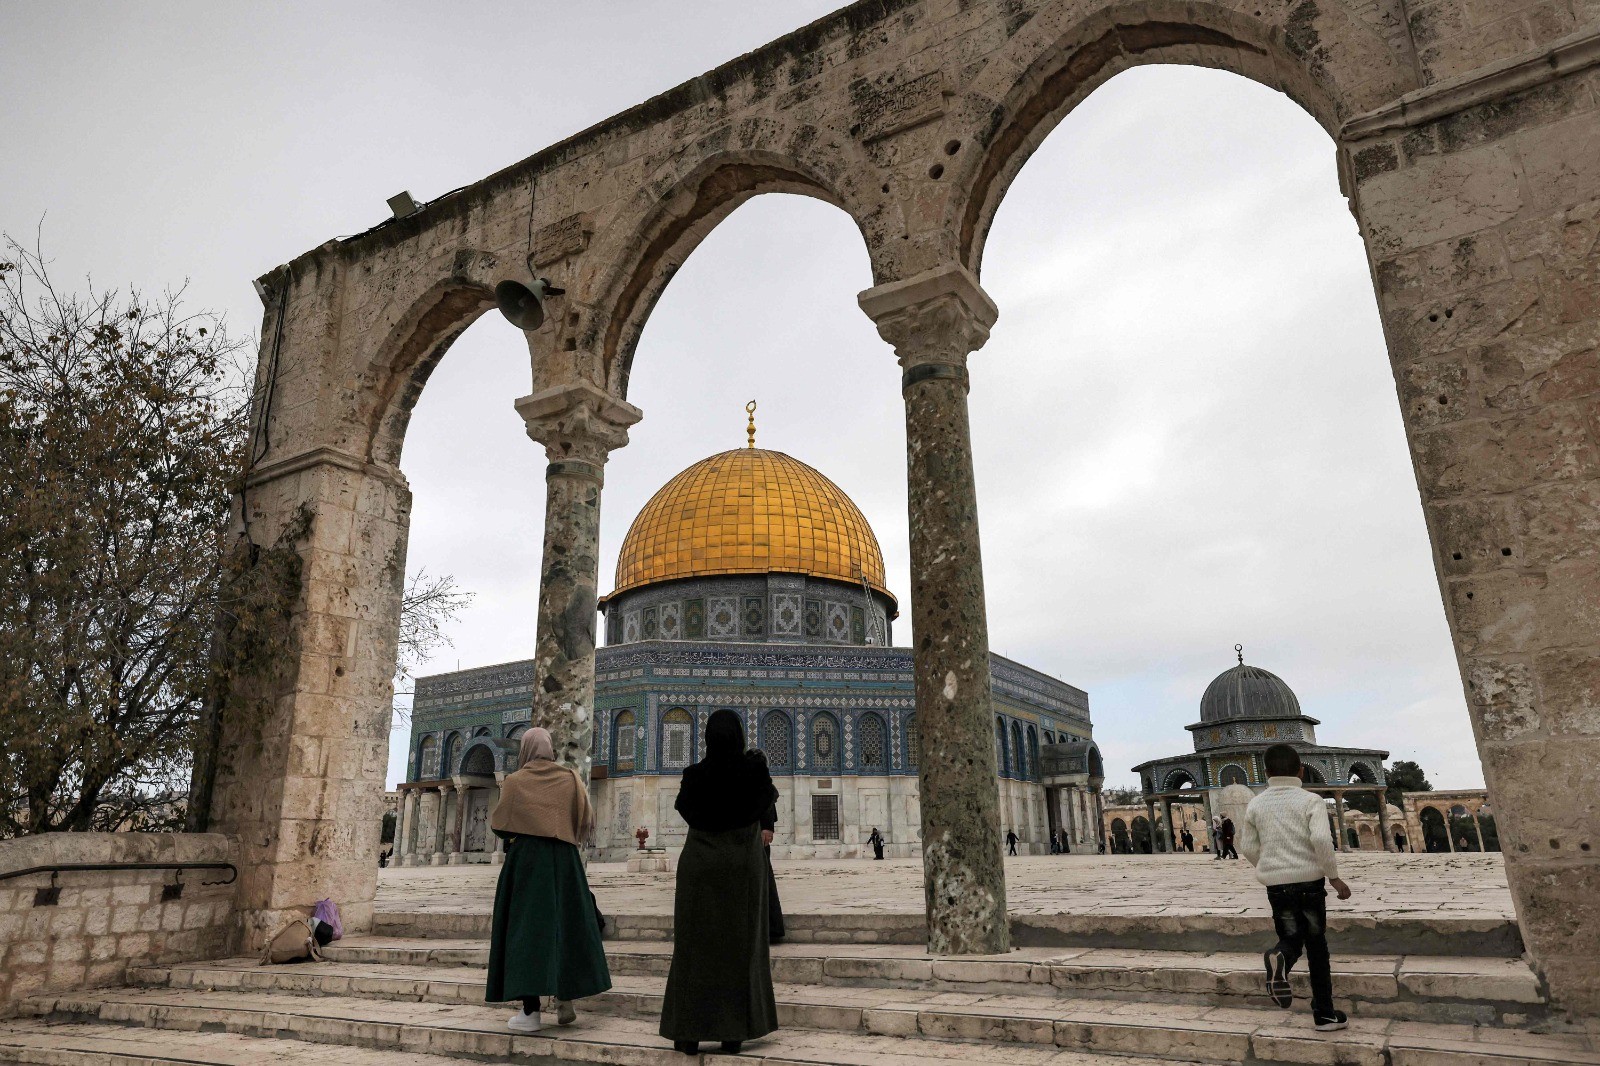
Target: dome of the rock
750, 511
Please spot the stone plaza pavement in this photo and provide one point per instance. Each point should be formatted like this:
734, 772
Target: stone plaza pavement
1384, 886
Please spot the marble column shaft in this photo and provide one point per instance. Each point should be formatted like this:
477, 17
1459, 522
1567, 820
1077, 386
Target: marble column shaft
1338, 818
934, 321
403, 844
427, 822
1383, 820
579, 425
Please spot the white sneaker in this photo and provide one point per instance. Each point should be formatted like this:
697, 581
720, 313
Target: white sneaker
566, 1013
524, 1023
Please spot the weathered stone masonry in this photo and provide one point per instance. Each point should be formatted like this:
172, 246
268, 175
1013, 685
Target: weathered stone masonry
1469, 147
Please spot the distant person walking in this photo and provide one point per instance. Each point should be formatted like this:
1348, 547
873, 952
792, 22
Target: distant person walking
720, 984
1286, 840
1011, 842
769, 829
545, 936
1228, 850
1216, 837
1399, 841
876, 840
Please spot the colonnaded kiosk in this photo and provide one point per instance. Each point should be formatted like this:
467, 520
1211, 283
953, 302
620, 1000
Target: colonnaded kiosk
1468, 145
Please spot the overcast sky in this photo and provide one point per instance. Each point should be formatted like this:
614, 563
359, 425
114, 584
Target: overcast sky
1185, 426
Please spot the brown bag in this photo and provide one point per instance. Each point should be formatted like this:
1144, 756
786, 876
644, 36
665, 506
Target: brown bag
292, 943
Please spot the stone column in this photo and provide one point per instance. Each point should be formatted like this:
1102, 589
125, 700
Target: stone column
458, 826
1338, 818
1477, 830
427, 826
1069, 800
1169, 837
404, 846
1155, 835
1383, 820
934, 321
579, 425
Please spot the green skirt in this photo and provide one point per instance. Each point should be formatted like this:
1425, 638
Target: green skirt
720, 984
545, 939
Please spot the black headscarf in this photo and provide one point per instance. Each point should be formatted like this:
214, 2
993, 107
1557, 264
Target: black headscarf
727, 789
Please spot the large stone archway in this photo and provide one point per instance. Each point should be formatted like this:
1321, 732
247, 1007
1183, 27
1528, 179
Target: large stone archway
1469, 150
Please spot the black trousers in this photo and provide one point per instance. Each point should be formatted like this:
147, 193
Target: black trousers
1300, 916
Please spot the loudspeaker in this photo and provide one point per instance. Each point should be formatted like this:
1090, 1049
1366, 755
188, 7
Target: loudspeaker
524, 306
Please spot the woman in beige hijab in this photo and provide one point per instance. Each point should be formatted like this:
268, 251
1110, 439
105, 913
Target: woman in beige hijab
546, 935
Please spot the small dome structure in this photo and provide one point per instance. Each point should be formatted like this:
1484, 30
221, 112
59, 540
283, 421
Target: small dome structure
1248, 692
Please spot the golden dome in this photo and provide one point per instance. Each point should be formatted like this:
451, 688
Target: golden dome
749, 511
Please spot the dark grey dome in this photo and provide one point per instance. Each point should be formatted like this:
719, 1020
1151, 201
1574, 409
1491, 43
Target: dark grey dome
1248, 692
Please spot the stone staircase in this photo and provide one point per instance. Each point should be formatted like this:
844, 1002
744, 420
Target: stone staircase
417, 1000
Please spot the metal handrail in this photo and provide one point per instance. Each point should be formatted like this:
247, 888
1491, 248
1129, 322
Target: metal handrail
233, 871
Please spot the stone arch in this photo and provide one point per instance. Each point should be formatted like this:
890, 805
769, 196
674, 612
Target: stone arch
1121, 842
1143, 839
1178, 779
1033, 754
482, 758
1314, 775
684, 200
1361, 773
1233, 774
1002, 747
1019, 753
1321, 56
677, 741
403, 361
1435, 829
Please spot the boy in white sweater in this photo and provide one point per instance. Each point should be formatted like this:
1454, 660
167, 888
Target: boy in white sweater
1286, 838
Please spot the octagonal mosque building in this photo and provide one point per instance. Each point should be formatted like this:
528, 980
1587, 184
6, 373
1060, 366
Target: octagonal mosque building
750, 581
1244, 711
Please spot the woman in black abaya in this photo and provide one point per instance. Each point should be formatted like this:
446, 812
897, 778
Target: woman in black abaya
720, 984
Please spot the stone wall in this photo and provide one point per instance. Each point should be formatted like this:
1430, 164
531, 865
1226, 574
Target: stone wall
104, 921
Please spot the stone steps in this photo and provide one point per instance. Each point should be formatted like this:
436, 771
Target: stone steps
93, 1044
1420, 988
189, 1027
1356, 934
1188, 1032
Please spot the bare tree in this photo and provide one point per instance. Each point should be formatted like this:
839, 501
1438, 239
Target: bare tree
122, 430
426, 606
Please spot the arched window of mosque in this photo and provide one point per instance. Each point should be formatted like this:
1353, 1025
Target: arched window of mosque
516, 733
1001, 755
775, 740
624, 739
874, 743
1033, 751
428, 759
911, 741
452, 753
1019, 754
825, 742
1233, 774
677, 739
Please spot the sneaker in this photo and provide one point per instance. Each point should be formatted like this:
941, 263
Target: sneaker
524, 1023
1327, 1024
566, 1013
1278, 989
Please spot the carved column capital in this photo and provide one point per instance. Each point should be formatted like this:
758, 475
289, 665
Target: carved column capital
579, 425
933, 320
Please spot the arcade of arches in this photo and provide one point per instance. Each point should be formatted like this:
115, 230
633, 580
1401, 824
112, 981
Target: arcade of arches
1468, 148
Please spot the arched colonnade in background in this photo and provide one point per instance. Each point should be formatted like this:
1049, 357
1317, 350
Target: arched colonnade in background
1472, 173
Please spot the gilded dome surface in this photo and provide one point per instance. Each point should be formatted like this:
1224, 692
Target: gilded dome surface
1248, 692
749, 511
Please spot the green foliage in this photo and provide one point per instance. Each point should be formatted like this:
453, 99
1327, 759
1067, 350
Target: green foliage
1122, 795
1405, 776
122, 433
